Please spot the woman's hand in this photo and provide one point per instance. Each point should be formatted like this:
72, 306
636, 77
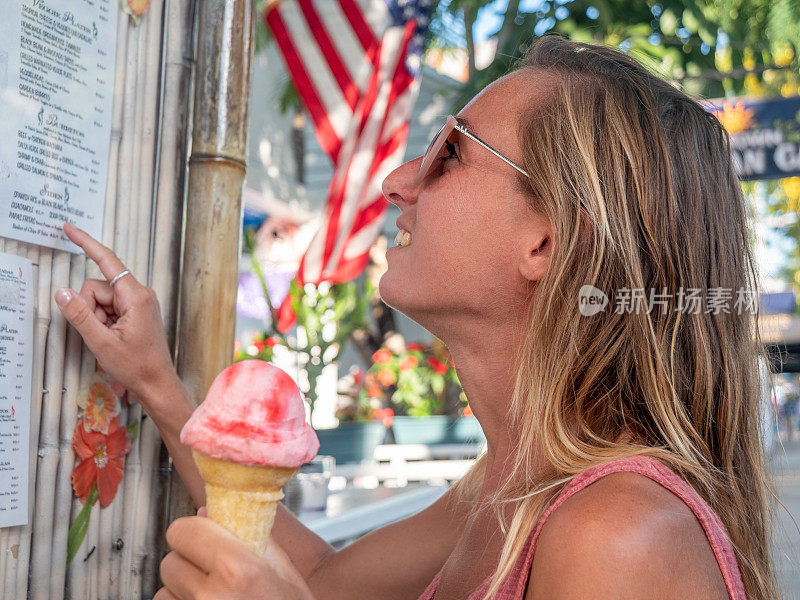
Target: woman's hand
121, 325
210, 563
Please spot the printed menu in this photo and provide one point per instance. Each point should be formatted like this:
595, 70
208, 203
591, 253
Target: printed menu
16, 364
56, 93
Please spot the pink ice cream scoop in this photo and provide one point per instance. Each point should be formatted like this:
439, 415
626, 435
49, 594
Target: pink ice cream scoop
253, 414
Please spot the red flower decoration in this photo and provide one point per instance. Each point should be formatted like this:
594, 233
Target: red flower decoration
437, 365
386, 377
386, 415
100, 405
415, 347
382, 357
271, 342
409, 362
101, 461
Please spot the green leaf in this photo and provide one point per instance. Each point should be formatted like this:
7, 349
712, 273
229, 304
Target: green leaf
133, 430
79, 527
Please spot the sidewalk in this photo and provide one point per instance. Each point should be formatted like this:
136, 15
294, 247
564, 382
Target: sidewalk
786, 467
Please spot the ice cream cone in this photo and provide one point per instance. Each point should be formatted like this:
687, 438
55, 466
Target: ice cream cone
243, 498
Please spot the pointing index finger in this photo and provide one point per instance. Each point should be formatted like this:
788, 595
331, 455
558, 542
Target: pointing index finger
110, 265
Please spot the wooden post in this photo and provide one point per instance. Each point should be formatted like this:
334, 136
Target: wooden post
213, 209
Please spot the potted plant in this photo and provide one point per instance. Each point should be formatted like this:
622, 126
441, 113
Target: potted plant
421, 385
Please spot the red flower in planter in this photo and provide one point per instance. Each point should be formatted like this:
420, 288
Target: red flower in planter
386, 377
437, 365
409, 362
382, 357
101, 460
386, 416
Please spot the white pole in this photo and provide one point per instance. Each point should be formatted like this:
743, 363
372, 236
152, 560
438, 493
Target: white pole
140, 519
69, 417
42, 543
106, 562
133, 460
77, 576
41, 327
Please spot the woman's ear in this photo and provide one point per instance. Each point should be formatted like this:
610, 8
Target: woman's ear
533, 263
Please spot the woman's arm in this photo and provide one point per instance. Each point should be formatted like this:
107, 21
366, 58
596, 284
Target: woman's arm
122, 326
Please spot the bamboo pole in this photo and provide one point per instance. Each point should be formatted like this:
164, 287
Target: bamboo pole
137, 518
138, 466
177, 70
69, 417
125, 212
77, 573
41, 547
216, 173
41, 329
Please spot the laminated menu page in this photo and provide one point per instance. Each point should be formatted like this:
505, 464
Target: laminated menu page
56, 93
16, 364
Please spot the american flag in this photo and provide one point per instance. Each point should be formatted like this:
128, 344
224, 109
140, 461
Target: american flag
355, 64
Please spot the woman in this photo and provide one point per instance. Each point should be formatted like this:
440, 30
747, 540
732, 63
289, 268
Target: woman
623, 439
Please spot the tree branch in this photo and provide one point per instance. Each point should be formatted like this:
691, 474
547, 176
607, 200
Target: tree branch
469, 21
506, 31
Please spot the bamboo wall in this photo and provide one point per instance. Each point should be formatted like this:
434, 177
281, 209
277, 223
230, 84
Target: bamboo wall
142, 223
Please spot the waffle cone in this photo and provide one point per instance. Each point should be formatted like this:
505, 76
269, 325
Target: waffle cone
243, 498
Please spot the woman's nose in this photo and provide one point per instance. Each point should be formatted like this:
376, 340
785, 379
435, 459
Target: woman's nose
399, 187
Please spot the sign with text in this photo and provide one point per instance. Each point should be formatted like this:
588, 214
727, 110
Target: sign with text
16, 365
56, 90
765, 135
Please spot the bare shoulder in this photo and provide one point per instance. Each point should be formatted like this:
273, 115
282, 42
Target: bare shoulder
624, 536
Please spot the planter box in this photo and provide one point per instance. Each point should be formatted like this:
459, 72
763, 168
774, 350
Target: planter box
437, 429
351, 442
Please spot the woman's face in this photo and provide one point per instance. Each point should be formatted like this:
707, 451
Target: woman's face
475, 243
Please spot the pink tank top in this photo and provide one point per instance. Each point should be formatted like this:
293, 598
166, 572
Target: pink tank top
515, 585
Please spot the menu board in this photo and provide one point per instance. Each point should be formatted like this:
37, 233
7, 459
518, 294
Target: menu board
16, 364
56, 92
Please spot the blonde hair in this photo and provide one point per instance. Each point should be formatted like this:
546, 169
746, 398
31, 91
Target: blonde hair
637, 182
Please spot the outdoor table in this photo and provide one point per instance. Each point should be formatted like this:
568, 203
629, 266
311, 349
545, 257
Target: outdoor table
353, 512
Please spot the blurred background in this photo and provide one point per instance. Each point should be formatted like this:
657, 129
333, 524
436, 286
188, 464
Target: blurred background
394, 426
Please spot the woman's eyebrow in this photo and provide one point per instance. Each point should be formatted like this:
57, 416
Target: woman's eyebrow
464, 121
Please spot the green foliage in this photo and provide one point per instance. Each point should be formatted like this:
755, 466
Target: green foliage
79, 527
710, 46
327, 315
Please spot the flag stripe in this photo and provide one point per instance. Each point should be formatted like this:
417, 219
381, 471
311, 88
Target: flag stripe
326, 135
323, 80
362, 29
331, 55
344, 37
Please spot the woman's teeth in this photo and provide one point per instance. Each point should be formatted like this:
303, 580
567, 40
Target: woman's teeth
403, 238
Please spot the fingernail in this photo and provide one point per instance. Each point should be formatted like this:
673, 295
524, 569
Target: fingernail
63, 296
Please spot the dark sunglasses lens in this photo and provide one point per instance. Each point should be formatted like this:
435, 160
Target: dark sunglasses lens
426, 159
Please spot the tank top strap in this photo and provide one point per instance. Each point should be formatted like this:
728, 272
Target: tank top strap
515, 584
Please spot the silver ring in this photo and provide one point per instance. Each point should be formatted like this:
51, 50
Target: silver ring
118, 277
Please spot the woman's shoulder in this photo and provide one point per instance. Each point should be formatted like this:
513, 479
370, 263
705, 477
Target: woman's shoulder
624, 536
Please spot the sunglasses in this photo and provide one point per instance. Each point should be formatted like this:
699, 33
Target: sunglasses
438, 142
